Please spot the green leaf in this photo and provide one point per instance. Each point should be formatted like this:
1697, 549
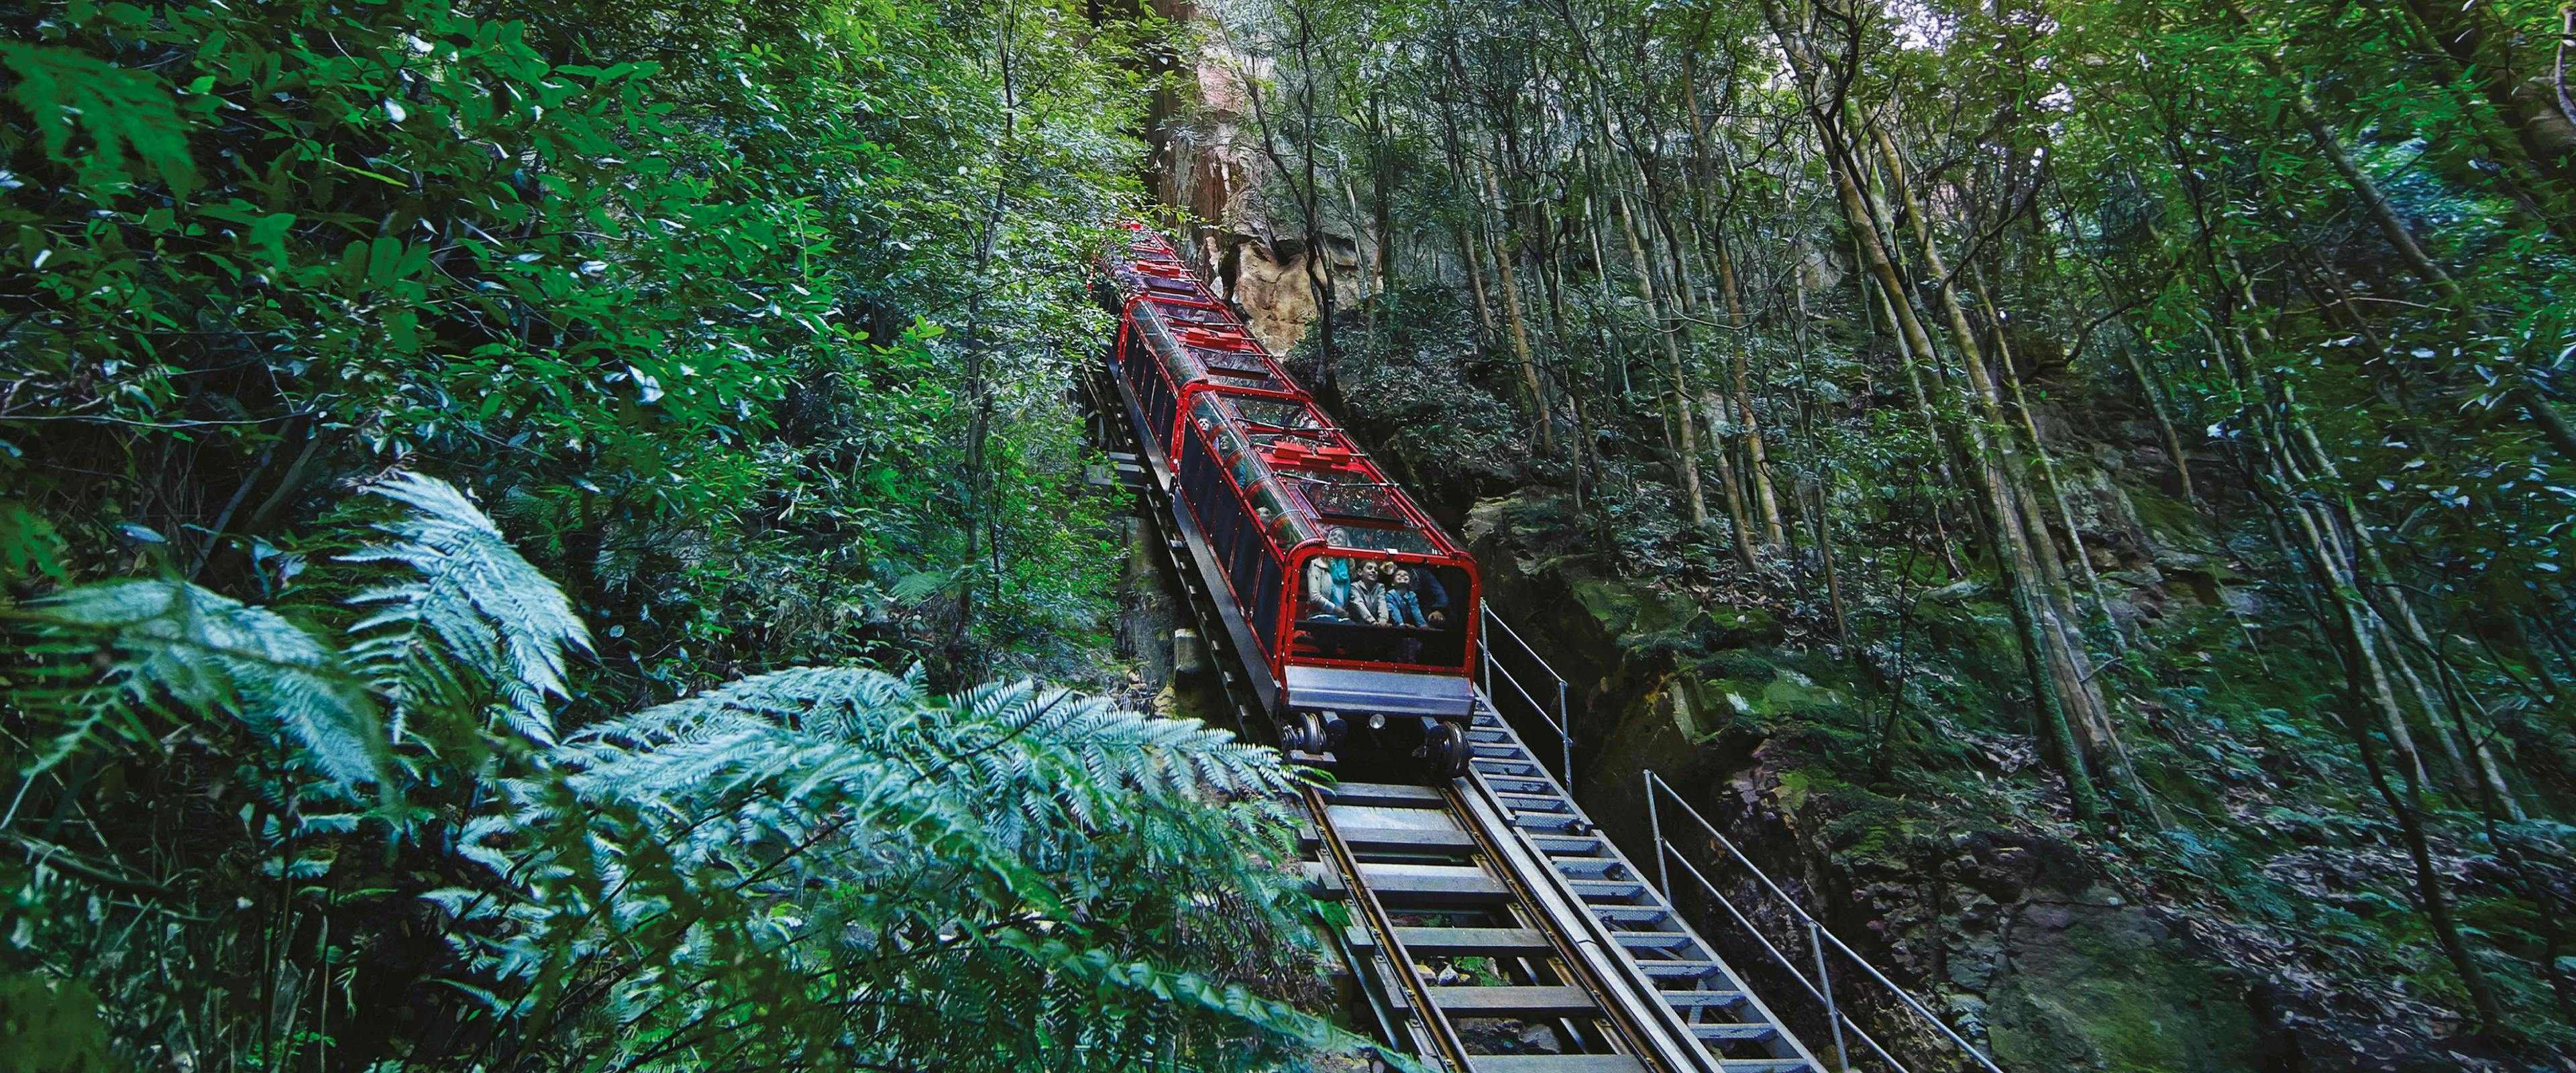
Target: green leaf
120, 109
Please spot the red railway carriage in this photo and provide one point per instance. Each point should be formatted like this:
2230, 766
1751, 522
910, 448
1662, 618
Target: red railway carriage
1353, 601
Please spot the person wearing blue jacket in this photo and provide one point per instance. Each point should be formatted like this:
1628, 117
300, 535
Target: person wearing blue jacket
1433, 598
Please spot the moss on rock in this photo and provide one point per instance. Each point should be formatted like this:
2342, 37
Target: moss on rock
2110, 987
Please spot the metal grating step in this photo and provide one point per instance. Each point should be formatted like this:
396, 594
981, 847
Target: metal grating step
1564, 846
1735, 1033
1475, 942
1523, 1002
1547, 821
1554, 1063
1590, 867
1534, 802
1702, 999
1610, 890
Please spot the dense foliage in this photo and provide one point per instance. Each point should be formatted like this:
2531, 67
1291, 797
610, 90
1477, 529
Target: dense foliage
819, 866
752, 320
2171, 389
750, 324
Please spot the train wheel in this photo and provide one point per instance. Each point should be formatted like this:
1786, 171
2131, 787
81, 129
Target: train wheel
1445, 745
1304, 733
1336, 729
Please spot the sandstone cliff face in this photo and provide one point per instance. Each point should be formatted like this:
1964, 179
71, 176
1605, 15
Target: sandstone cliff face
1209, 163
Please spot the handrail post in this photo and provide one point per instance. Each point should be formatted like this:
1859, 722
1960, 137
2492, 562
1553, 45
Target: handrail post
1825, 984
1485, 646
1655, 825
1565, 734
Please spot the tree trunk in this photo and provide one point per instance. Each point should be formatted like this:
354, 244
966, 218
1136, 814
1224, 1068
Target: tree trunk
1520, 327
1685, 440
2362, 678
1757, 455
2023, 528
2041, 650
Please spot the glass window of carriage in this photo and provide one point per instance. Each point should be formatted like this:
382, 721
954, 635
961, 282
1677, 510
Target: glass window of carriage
1175, 357
1222, 435
1342, 496
1274, 423
1278, 517
1405, 541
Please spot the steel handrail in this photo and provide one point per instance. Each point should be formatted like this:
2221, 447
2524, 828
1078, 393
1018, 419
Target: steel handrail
1785, 963
1515, 635
1816, 928
1562, 723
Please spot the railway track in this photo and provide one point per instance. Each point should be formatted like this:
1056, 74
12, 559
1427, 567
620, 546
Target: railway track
1493, 899
1493, 928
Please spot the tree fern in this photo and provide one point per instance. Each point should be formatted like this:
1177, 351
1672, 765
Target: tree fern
985, 881
474, 598
824, 865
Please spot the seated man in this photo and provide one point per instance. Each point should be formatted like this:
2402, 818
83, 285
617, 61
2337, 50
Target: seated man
1368, 595
1432, 598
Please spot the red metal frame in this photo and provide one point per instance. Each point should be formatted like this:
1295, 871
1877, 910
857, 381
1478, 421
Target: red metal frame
1233, 338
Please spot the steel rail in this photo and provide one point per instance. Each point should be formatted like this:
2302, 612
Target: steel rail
1534, 886
1428, 1013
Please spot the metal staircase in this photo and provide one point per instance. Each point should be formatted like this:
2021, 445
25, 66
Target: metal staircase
1735, 1032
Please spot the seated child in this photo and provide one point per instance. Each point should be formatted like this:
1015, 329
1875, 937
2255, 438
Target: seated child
1403, 607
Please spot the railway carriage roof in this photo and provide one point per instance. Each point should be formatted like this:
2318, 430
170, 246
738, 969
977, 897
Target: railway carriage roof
1300, 471
1305, 478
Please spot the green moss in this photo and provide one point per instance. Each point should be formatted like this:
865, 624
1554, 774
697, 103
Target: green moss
1794, 787
2170, 521
1871, 831
2101, 987
1791, 691
1732, 626
1611, 603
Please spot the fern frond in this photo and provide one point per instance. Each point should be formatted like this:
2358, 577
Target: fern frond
483, 603
206, 652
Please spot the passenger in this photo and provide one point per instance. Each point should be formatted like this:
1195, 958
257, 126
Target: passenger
1403, 607
1341, 568
1434, 600
1319, 603
1368, 596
